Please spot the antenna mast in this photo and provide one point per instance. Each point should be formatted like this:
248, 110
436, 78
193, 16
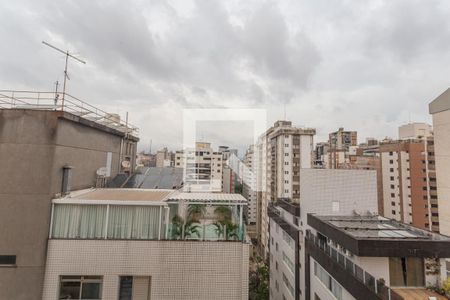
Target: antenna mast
66, 76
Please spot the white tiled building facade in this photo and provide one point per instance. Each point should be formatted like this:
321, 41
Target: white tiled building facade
173, 269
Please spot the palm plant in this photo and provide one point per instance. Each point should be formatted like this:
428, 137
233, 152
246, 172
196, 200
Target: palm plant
223, 213
177, 227
227, 229
196, 212
191, 229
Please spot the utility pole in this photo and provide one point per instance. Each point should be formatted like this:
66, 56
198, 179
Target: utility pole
66, 76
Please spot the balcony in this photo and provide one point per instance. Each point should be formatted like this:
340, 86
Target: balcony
352, 277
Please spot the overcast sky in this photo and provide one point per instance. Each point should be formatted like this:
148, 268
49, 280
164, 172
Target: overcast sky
368, 66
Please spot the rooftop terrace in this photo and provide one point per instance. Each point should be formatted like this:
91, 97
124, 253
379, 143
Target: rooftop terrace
54, 101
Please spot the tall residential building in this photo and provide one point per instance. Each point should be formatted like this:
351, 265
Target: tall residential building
415, 131
164, 158
409, 182
287, 150
340, 143
203, 168
440, 109
249, 190
284, 255
134, 244
321, 155
48, 150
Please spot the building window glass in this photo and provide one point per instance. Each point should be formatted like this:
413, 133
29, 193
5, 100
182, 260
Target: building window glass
406, 271
289, 263
288, 285
328, 281
81, 287
126, 288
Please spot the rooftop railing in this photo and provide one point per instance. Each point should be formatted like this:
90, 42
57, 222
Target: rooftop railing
10, 99
375, 285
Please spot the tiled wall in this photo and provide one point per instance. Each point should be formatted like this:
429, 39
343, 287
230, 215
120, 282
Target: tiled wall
178, 269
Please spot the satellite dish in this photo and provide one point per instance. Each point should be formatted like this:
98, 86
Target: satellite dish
126, 164
103, 171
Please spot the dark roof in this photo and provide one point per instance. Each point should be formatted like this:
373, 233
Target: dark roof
378, 236
156, 178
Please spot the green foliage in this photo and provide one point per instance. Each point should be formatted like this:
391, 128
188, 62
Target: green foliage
259, 282
446, 286
227, 230
196, 212
192, 229
223, 213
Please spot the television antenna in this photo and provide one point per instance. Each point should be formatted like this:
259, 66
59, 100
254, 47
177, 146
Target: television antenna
66, 76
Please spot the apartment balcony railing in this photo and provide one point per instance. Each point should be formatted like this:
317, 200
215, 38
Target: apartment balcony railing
64, 102
375, 285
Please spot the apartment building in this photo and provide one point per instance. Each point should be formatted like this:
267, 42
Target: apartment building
249, 188
164, 158
284, 250
371, 257
287, 150
415, 131
409, 182
321, 155
440, 110
46, 150
333, 192
340, 143
203, 168
145, 244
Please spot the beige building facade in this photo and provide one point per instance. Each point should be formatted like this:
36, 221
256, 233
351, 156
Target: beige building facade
38, 147
440, 110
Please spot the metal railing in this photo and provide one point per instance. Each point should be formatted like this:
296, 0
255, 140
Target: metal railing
377, 286
10, 99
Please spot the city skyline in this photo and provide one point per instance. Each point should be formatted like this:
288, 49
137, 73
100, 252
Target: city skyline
360, 66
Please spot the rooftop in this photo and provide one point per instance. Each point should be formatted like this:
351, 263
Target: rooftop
56, 101
379, 236
378, 227
122, 194
441, 103
209, 198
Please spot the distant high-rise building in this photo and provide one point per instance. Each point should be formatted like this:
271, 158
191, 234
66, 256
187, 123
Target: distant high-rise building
409, 182
164, 158
414, 131
284, 150
249, 189
203, 168
321, 155
340, 144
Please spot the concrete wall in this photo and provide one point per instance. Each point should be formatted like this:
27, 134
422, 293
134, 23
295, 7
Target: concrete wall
178, 269
34, 145
441, 125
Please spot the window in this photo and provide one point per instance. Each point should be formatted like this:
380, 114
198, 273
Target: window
392, 177
391, 169
126, 288
137, 285
328, 281
288, 285
392, 186
393, 212
7, 260
391, 161
289, 263
80, 287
